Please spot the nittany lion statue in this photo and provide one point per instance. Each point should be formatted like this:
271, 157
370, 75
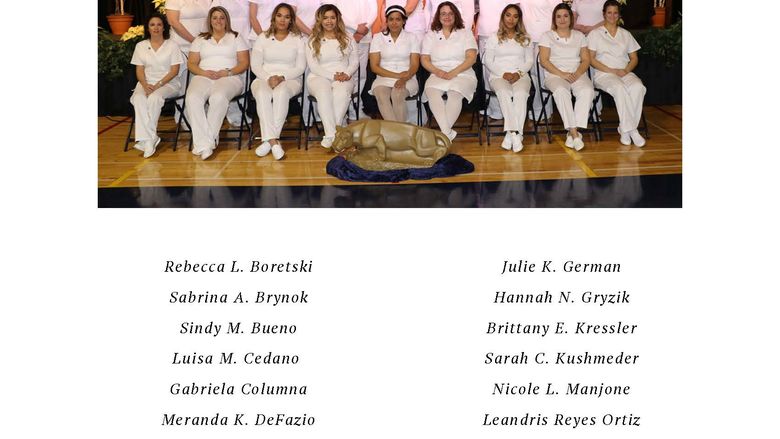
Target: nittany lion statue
395, 142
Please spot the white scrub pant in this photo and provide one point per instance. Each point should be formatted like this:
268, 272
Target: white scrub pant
629, 95
494, 110
445, 113
392, 102
206, 124
363, 63
147, 108
273, 104
513, 99
333, 98
573, 115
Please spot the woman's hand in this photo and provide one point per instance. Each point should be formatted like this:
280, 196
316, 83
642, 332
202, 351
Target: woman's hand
275, 80
341, 77
620, 72
449, 75
568, 76
401, 83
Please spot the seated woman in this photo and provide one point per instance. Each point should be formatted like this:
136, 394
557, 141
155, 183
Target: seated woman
332, 57
278, 61
394, 57
157, 60
613, 55
218, 57
448, 52
509, 55
563, 53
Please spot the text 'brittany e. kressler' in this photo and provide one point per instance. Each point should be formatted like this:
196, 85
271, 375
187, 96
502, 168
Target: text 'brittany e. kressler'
525, 266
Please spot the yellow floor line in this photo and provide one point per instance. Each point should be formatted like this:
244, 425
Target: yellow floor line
227, 164
127, 174
576, 157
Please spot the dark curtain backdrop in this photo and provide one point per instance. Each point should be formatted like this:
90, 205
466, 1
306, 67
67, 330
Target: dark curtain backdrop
139, 8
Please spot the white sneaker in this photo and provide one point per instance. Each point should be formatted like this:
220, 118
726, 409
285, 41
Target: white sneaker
452, 135
206, 154
277, 151
150, 148
508, 141
517, 142
263, 149
625, 139
569, 141
139, 146
637, 138
327, 142
578, 143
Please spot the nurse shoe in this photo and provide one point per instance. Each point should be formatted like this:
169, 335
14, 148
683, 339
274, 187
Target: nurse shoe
452, 135
327, 142
578, 143
569, 141
277, 151
517, 142
507, 143
206, 154
139, 145
263, 149
149, 149
637, 138
625, 138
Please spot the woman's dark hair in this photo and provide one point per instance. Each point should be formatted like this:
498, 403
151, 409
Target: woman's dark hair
436, 23
566, 7
403, 19
609, 3
166, 26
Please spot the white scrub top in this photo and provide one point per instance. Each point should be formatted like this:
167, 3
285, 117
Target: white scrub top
490, 15
565, 52
239, 15
395, 57
219, 55
507, 56
465, 7
417, 22
448, 53
273, 57
192, 15
612, 51
355, 12
331, 60
306, 10
588, 11
157, 63
537, 17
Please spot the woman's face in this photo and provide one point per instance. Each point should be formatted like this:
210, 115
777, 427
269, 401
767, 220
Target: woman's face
218, 21
562, 19
395, 22
282, 19
446, 16
155, 27
511, 17
329, 21
612, 15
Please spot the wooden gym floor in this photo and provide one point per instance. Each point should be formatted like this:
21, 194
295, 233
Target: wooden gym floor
662, 156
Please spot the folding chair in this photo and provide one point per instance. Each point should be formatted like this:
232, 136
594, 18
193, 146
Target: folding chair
317, 125
180, 108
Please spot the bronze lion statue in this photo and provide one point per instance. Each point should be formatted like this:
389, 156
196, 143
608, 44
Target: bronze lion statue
393, 142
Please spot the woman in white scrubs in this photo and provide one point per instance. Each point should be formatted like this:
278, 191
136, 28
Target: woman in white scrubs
613, 53
331, 54
563, 52
157, 60
588, 14
218, 59
395, 58
417, 21
278, 60
509, 56
448, 52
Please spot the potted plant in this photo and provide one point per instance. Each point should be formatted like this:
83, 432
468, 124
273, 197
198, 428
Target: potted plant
659, 19
119, 21
116, 76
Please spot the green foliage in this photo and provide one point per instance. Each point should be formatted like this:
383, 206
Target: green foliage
114, 56
665, 45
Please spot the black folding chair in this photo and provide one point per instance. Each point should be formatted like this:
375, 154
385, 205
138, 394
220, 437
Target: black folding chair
182, 118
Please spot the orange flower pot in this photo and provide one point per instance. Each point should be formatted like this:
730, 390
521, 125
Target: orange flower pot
119, 23
659, 19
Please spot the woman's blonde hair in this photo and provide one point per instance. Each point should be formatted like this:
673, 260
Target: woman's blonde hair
315, 40
292, 28
209, 33
520, 35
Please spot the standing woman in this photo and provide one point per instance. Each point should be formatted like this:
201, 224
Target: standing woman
218, 58
278, 61
563, 52
305, 11
239, 16
536, 19
417, 21
613, 53
508, 58
395, 58
588, 15
157, 60
332, 57
448, 52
